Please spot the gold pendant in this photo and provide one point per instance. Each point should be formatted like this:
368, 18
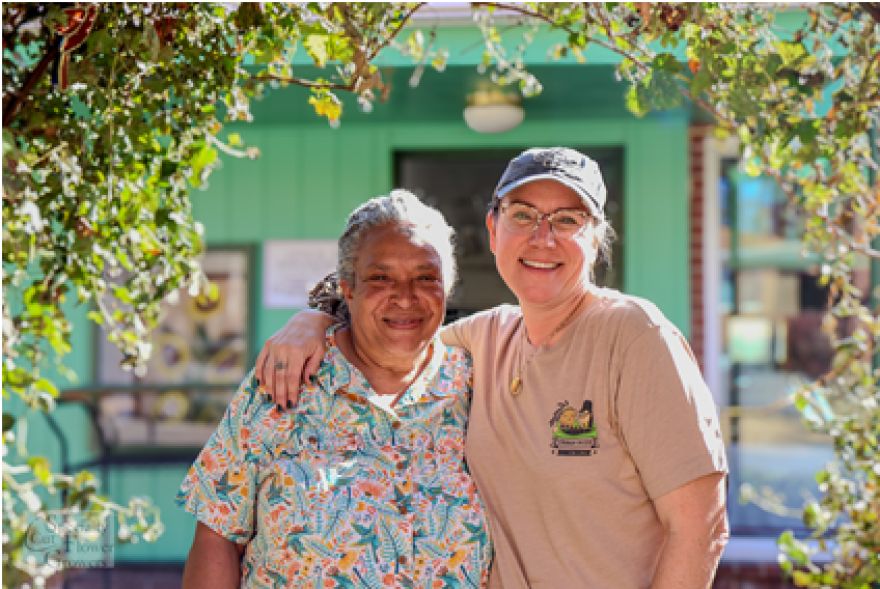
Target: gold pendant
516, 386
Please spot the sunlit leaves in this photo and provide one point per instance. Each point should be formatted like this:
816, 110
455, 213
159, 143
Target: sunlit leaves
326, 104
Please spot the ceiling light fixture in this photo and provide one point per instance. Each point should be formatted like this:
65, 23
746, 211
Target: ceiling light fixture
492, 111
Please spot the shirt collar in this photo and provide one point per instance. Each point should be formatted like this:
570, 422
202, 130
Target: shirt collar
339, 376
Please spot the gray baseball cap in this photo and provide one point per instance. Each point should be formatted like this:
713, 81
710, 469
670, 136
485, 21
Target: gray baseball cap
566, 166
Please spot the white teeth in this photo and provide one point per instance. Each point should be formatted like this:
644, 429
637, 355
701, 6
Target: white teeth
542, 265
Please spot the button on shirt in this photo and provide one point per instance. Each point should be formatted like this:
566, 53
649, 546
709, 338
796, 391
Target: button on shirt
347, 490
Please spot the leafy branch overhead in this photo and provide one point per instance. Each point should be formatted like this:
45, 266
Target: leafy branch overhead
112, 113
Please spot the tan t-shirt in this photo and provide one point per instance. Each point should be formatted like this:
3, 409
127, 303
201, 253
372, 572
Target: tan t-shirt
613, 415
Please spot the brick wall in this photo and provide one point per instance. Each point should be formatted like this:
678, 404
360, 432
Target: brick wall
697, 143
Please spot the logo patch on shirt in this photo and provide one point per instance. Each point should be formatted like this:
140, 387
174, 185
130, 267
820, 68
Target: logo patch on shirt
574, 432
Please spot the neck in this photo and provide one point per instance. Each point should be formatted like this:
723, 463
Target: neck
545, 325
386, 378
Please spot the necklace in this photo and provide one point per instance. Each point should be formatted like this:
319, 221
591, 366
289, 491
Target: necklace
516, 385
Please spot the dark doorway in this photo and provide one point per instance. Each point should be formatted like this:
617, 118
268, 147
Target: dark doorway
460, 184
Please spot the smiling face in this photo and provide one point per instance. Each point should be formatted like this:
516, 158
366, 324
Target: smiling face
541, 269
397, 300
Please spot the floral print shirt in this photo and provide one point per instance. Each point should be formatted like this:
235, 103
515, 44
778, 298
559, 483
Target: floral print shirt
347, 491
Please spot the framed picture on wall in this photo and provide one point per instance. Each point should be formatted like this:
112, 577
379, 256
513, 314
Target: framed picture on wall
200, 355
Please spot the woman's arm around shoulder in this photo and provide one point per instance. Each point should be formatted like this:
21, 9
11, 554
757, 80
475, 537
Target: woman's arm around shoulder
292, 356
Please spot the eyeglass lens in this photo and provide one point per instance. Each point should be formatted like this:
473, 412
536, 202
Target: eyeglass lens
522, 218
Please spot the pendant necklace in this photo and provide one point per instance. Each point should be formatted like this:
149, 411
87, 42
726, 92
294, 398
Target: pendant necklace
516, 385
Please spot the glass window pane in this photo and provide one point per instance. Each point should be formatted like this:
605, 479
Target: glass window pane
772, 345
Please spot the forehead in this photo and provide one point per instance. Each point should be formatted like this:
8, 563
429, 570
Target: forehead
546, 194
391, 244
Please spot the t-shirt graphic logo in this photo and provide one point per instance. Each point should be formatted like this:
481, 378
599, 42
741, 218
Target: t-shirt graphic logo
574, 432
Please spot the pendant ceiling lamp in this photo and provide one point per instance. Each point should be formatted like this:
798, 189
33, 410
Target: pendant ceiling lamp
492, 111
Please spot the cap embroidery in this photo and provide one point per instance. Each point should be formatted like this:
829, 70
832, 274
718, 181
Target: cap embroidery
555, 159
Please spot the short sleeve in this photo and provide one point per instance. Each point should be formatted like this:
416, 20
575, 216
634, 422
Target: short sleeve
455, 335
667, 417
220, 488
462, 333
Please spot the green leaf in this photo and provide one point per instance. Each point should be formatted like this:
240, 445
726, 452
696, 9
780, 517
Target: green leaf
790, 52
636, 101
807, 131
772, 64
802, 578
316, 47
204, 158
264, 52
663, 92
667, 62
743, 104
8, 422
700, 82
40, 467
46, 386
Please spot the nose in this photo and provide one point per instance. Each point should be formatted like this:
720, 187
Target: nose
405, 293
543, 233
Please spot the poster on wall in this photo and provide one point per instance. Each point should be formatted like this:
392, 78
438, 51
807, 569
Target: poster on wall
292, 267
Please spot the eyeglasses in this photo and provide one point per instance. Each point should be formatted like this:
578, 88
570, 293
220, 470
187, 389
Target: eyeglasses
522, 218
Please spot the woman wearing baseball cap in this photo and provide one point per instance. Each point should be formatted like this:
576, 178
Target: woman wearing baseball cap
636, 499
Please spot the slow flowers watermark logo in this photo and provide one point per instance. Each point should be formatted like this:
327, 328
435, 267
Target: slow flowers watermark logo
63, 539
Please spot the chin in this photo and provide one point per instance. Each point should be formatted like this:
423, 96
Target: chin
414, 344
535, 296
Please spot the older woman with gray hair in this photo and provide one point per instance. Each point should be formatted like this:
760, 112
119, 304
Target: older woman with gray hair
364, 483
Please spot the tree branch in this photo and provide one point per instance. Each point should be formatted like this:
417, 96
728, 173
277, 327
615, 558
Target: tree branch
351, 87
14, 107
836, 231
384, 43
228, 149
645, 68
301, 82
547, 19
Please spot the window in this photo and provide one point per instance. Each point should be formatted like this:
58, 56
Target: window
773, 343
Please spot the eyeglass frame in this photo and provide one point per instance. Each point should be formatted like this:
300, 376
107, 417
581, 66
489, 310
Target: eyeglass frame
501, 206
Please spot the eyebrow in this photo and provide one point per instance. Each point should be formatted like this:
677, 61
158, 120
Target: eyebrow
388, 267
583, 210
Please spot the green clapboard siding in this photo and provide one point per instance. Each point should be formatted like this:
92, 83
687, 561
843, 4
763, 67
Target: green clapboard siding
305, 187
160, 484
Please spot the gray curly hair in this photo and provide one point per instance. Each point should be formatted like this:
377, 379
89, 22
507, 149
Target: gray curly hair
401, 207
